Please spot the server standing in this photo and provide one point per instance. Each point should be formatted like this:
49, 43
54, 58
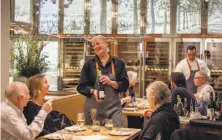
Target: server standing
115, 80
190, 65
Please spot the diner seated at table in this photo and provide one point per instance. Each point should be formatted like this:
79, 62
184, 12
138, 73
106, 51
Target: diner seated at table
13, 122
179, 87
205, 93
163, 119
38, 87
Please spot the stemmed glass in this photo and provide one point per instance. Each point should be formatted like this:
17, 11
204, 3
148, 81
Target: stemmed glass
80, 119
93, 113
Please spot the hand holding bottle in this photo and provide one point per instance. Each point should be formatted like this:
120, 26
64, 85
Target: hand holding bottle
95, 93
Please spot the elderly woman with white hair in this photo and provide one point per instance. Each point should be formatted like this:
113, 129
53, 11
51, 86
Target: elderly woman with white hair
205, 93
163, 119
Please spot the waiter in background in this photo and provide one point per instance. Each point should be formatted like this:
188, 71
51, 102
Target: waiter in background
190, 65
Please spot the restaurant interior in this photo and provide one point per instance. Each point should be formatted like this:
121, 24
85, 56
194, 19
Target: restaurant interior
149, 36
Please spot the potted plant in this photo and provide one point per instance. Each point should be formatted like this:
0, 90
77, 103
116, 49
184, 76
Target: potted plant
27, 56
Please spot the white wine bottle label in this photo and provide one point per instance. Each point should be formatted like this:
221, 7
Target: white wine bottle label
101, 94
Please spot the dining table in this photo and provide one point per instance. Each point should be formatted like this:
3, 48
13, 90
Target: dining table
88, 134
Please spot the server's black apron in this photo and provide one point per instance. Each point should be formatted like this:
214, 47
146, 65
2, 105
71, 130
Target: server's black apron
110, 108
190, 80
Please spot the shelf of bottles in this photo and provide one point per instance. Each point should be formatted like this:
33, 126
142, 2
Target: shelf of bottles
156, 62
213, 59
73, 53
130, 53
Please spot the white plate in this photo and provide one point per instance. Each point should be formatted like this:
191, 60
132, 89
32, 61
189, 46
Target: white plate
130, 109
54, 136
120, 133
75, 128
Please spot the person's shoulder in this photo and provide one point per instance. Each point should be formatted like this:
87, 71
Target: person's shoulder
116, 59
6, 111
200, 61
90, 60
181, 63
30, 106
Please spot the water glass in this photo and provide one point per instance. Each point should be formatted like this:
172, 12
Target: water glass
108, 124
96, 126
80, 119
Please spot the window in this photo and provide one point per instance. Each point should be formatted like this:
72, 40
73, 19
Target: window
101, 16
214, 17
51, 49
158, 17
128, 16
188, 17
74, 17
48, 16
22, 11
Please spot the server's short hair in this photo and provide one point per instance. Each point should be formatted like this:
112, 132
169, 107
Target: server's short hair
191, 47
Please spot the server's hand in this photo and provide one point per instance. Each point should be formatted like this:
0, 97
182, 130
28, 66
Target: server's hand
96, 96
105, 80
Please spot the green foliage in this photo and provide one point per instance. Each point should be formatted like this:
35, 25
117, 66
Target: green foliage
27, 56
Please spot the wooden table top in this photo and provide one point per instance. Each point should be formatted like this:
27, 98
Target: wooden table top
88, 132
133, 113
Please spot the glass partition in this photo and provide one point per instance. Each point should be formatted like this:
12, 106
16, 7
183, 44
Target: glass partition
213, 58
23, 11
158, 17
128, 16
214, 17
48, 19
188, 17
131, 53
101, 16
74, 21
51, 49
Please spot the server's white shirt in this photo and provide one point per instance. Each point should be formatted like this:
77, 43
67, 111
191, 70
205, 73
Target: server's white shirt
14, 126
183, 67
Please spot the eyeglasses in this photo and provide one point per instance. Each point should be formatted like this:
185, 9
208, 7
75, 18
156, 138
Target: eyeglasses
191, 54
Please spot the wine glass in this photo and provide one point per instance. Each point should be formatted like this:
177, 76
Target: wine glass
108, 124
93, 113
96, 126
80, 119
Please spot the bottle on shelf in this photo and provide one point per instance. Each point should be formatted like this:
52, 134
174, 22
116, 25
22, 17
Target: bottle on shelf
100, 87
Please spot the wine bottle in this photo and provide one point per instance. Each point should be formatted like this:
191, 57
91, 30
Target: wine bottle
100, 87
185, 108
179, 106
